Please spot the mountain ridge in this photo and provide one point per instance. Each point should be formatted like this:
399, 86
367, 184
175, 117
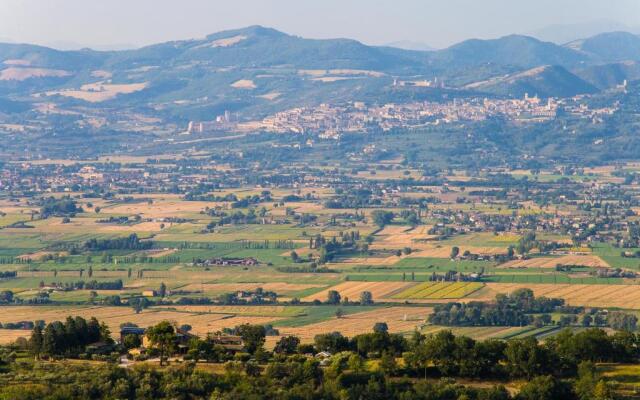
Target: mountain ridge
259, 70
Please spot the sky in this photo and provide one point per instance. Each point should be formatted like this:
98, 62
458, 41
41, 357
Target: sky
438, 23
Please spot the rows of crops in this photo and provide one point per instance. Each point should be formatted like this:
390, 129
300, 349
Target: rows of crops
439, 290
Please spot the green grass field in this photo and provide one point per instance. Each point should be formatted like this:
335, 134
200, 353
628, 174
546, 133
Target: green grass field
441, 265
612, 255
314, 314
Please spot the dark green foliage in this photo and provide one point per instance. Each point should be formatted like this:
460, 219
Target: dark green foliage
131, 242
253, 336
59, 207
511, 310
68, 338
381, 217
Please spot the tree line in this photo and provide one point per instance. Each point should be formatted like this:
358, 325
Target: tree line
560, 368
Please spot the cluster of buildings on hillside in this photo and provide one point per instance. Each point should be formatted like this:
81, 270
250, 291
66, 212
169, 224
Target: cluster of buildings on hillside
330, 121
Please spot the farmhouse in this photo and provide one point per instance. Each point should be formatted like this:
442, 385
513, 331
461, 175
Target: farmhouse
229, 342
224, 261
130, 330
182, 340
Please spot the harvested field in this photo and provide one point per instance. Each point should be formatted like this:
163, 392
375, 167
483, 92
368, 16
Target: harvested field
270, 95
445, 251
399, 319
260, 311
141, 227
551, 262
244, 84
160, 208
114, 316
278, 287
98, 92
391, 260
402, 236
623, 296
226, 42
10, 335
352, 290
21, 74
439, 290
328, 79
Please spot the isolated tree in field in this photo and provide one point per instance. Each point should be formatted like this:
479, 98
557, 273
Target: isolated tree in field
294, 257
333, 297
366, 298
382, 218
339, 313
163, 338
455, 250
162, 291
139, 303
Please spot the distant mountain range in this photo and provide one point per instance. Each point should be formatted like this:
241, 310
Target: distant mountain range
565, 33
411, 45
258, 70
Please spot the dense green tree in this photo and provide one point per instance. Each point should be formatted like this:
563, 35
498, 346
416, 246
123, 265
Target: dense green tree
382, 217
333, 297
253, 336
287, 345
162, 337
366, 298
36, 341
546, 388
525, 358
162, 291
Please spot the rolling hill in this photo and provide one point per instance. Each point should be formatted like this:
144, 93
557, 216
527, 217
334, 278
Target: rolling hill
610, 47
545, 81
258, 70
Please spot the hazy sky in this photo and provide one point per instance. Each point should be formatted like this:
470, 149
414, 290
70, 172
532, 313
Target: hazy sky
435, 22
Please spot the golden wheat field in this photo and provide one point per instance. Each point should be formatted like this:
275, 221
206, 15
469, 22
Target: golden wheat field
10, 335
161, 207
431, 251
202, 323
261, 311
551, 262
623, 296
390, 260
278, 287
352, 290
